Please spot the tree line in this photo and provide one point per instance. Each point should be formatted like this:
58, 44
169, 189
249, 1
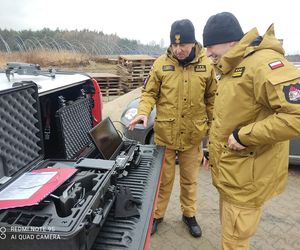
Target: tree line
82, 41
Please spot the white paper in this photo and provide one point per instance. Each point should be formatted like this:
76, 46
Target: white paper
26, 185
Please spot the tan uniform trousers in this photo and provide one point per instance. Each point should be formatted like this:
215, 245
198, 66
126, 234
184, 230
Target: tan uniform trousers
238, 224
189, 164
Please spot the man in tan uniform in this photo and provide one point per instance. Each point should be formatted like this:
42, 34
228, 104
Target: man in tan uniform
182, 86
256, 112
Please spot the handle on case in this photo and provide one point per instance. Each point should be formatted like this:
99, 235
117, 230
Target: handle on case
98, 216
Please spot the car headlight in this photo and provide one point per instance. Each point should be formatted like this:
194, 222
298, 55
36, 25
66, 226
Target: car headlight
130, 113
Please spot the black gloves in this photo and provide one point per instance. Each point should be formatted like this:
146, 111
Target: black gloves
126, 204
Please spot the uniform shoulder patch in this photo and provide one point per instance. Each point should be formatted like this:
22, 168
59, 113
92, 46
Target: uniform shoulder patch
238, 72
292, 93
276, 64
168, 68
200, 68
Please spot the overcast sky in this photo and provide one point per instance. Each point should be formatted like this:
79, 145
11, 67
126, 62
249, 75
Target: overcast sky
151, 20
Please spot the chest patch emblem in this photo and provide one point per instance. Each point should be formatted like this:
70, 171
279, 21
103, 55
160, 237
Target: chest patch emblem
200, 68
276, 64
292, 93
168, 68
238, 72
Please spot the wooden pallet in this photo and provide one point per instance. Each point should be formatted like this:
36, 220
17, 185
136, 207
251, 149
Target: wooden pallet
112, 92
105, 77
128, 86
131, 69
138, 67
127, 89
107, 80
102, 75
134, 75
109, 85
132, 79
135, 60
139, 75
139, 71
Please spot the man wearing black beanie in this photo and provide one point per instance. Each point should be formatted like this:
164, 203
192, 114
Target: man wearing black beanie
182, 85
256, 112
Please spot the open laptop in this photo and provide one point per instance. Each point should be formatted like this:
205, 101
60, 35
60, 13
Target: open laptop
106, 138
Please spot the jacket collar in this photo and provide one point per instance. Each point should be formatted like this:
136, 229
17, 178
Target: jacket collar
269, 41
243, 48
234, 56
199, 53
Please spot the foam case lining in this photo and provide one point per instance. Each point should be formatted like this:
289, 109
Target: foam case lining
74, 122
20, 128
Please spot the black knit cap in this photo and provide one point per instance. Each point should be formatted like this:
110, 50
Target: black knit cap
182, 31
222, 28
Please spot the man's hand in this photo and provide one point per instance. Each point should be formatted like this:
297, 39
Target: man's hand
138, 119
233, 144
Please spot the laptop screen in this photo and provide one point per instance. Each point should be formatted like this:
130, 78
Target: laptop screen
106, 138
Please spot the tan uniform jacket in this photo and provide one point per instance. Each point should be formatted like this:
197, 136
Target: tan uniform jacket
184, 99
258, 93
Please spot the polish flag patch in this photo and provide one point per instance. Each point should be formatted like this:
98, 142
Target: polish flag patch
276, 64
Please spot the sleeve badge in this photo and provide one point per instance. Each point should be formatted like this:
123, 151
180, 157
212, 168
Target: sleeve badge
292, 93
276, 64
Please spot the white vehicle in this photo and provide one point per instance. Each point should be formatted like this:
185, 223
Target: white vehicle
55, 89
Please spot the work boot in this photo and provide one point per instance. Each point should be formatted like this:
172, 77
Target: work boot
155, 224
193, 226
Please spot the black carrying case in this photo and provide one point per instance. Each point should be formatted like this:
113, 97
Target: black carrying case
56, 222
74, 120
